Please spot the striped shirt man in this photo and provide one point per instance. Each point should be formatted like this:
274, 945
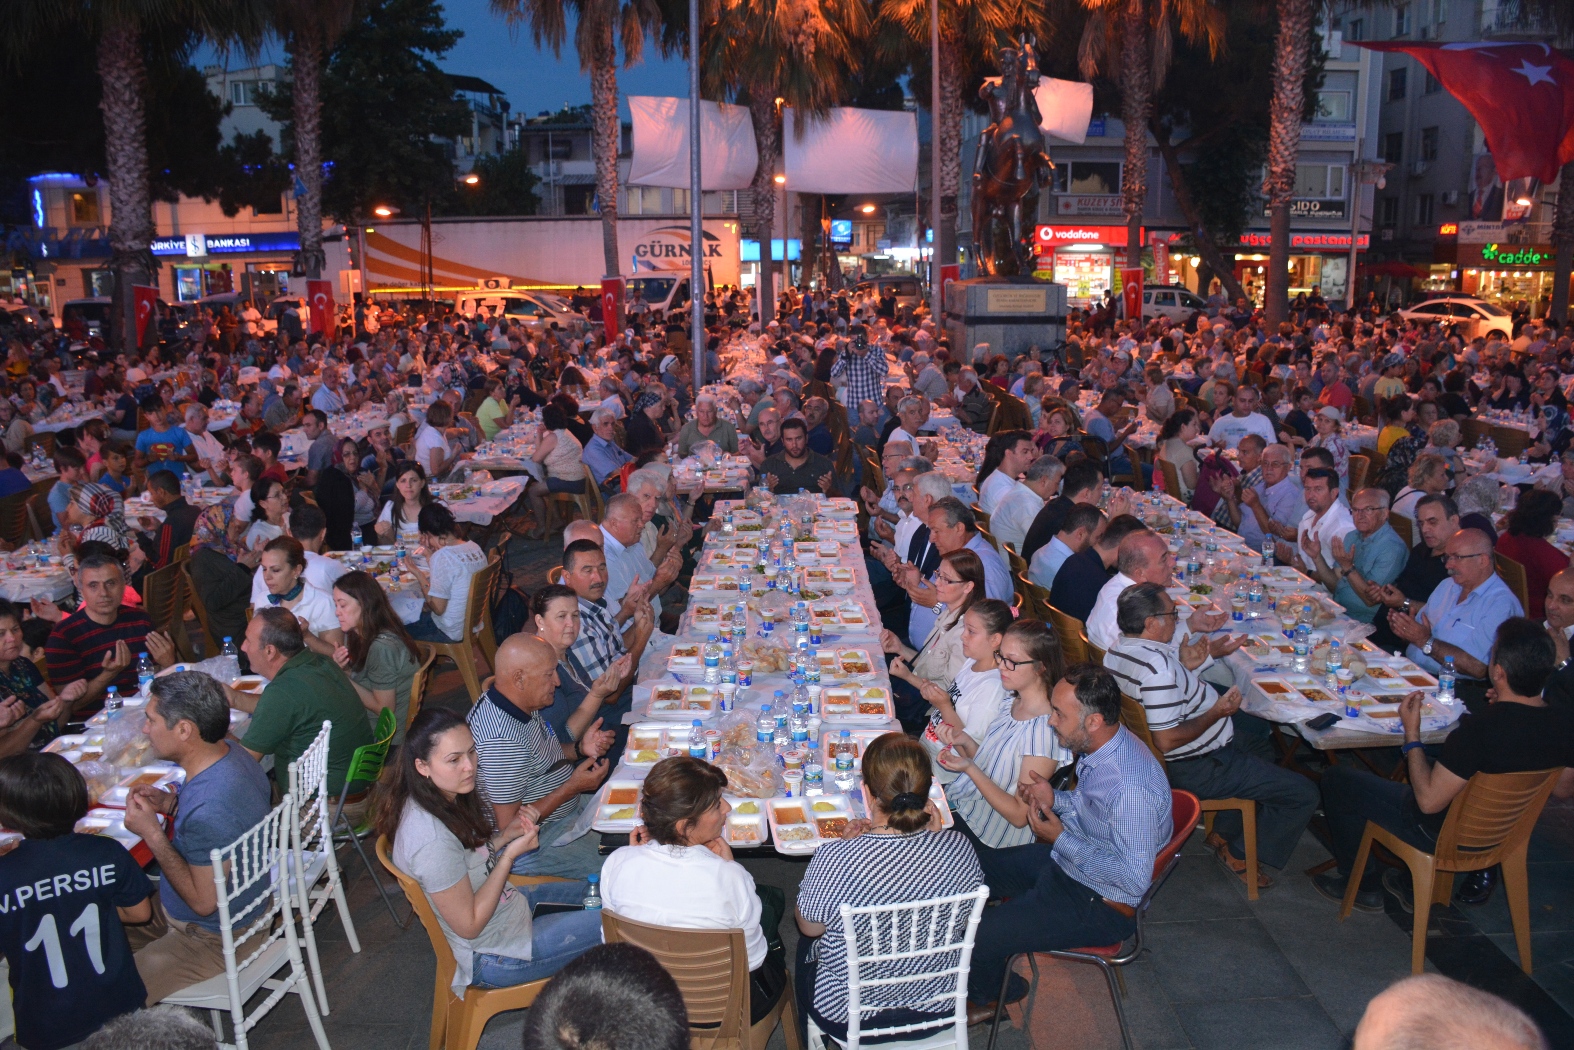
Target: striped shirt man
77, 645
1152, 674
521, 760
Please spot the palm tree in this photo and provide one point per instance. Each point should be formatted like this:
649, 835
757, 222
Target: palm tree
970, 30
599, 27
773, 53
121, 29
1132, 41
310, 28
1292, 49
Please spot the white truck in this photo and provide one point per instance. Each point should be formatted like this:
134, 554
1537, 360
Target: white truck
561, 254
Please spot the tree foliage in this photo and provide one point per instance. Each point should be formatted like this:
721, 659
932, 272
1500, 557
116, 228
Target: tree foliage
387, 108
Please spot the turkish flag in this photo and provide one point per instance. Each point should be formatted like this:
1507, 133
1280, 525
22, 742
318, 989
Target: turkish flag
1131, 279
319, 301
1522, 95
145, 299
611, 307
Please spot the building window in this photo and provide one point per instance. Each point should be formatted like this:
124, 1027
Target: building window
1424, 202
1333, 107
243, 92
84, 208
273, 207
643, 200
1394, 147
1396, 84
1402, 20
1093, 177
680, 201
1389, 211
1320, 181
1428, 143
1352, 32
1432, 85
721, 202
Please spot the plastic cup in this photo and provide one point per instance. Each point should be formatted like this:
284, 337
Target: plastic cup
746, 672
793, 759
792, 780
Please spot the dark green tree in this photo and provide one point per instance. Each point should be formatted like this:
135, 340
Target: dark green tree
387, 111
507, 186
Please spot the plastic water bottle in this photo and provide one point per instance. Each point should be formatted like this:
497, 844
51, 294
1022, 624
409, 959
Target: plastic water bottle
765, 725
800, 722
1193, 568
812, 668
593, 895
145, 672
844, 761
729, 666
697, 745
1303, 648
712, 659
1335, 657
231, 661
1254, 599
356, 540
112, 706
1267, 552
1445, 681
727, 526
781, 735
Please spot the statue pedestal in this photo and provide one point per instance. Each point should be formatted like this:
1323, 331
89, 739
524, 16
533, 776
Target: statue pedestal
1011, 314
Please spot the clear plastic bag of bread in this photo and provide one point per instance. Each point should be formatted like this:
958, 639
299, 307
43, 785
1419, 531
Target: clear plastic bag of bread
751, 771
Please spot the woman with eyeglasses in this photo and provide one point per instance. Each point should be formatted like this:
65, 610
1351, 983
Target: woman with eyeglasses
959, 582
1018, 748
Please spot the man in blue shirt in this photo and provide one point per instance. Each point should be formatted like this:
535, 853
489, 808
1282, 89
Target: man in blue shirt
71, 465
1099, 424
161, 446
225, 794
329, 397
1461, 618
602, 455
1373, 553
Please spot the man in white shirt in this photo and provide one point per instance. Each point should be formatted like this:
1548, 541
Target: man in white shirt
1191, 724
1019, 453
1243, 419
629, 571
329, 398
1014, 513
1145, 557
1081, 523
913, 412
210, 454
1326, 517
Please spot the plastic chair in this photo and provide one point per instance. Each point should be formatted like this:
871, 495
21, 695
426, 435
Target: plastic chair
1488, 823
1403, 526
163, 597
1135, 718
937, 934
311, 846
420, 680
1184, 809
477, 615
457, 1021
265, 925
1095, 654
1356, 470
210, 641
366, 765
1172, 482
1071, 631
14, 526
555, 575
712, 971
1513, 574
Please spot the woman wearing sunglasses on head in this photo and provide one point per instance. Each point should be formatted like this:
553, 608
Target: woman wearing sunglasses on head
1018, 746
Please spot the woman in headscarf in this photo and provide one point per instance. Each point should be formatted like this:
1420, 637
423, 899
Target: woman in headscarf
96, 513
643, 433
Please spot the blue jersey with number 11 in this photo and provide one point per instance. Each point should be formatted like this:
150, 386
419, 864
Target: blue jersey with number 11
71, 966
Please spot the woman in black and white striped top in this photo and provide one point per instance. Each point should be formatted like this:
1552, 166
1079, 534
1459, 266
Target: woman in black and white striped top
902, 857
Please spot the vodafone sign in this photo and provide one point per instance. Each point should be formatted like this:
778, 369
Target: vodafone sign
1079, 233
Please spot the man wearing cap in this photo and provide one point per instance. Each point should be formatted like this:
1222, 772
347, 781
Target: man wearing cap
1390, 385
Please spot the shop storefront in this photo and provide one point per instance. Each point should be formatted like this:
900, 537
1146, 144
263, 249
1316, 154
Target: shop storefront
1083, 257
1319, 261
256, 264
1508, 274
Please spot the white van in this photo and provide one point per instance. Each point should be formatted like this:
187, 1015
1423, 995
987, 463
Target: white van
534, 309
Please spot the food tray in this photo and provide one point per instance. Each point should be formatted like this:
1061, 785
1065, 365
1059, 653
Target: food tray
78, 747
111, 823
650, 742
840, 532
1278, 689
155, 775
856, 704
617, 807
670, 702
746, 830
252, 684
833, 579
847, 663
713, 583
849, 616
861, 739
805, 827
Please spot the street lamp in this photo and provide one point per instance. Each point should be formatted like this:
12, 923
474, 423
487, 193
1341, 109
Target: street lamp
781, 180
867, 209
472, 179
383, 211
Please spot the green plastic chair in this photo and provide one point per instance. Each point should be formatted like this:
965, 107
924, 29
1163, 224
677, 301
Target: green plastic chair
366, 765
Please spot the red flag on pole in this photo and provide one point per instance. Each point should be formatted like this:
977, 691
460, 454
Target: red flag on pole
1521, 94
611, 307
145, 299
319, 301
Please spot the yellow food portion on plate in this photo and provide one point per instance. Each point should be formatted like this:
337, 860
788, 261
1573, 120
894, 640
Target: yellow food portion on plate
824, 807
747, 808
621, 813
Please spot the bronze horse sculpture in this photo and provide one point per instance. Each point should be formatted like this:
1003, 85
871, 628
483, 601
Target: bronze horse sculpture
1010, 166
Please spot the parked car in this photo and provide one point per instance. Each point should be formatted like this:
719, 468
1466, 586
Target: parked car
81, 319
1469, 316
908, 291
1171, 302
535, 310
